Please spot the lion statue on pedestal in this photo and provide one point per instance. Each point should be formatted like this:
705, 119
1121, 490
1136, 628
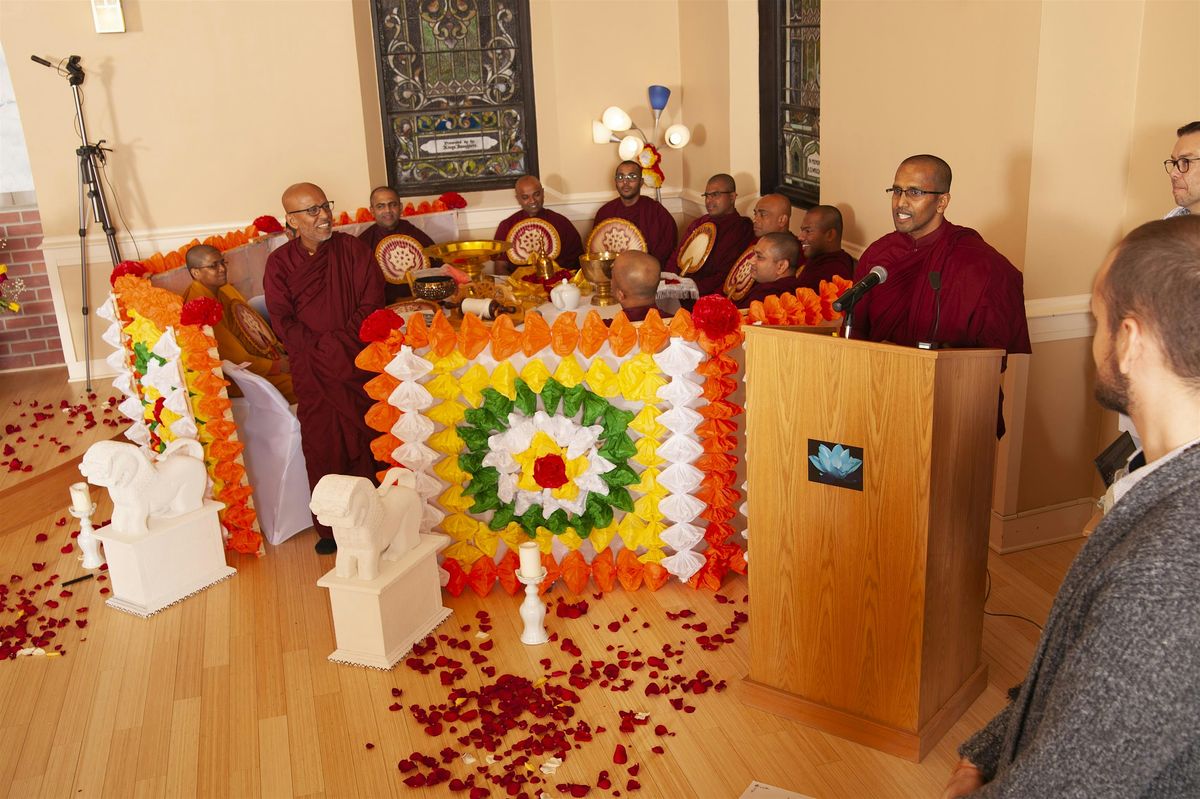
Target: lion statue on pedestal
369, 522
170, 484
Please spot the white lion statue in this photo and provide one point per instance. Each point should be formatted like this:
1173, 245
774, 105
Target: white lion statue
369, 521
140, 486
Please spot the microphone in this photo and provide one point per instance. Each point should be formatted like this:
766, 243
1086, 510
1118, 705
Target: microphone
40, 60
931, 343
853, 294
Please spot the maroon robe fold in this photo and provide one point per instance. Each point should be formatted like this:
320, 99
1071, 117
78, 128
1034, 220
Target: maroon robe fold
824, 267
571, 246
317, 303
654, 222
734, 234
982, 301
760, 291
374, 234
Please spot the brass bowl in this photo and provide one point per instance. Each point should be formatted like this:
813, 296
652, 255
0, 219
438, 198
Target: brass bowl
597, 266
469, 255
434, 287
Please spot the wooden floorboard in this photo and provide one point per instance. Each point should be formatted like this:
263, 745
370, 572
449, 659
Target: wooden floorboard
230, 693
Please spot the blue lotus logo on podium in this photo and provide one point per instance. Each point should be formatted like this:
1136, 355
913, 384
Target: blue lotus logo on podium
835, 464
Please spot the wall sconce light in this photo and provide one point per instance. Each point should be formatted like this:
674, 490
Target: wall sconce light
641, 148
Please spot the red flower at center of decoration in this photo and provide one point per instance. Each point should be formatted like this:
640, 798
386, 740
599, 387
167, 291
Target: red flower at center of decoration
550, 471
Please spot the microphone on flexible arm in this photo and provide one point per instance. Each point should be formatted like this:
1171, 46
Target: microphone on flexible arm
935, 283
40, 60
845, 303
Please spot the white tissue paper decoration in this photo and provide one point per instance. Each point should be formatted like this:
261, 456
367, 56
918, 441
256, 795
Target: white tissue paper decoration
138, 433
683, 564
415, 456
680, 419
166, 347
680, 448
112, 335
681, 478
682, 536
108, 310
679, 358
407, 365
680, 391
410, 396
413, 427
681, 507
184, 427
124, 383
116, 360
163, 377
132, 408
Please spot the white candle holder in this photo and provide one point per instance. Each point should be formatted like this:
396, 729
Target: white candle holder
533, 612
89, 545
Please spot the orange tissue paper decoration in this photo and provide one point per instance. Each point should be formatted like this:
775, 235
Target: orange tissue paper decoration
552, 572
418, 332
381, 416
442, 335
381, 386
383, 447
506, 573
593, 335
506, 339
622, 335
655, 575
458, 578
629, 570
482, 576
682, 325
575, 572
653, 333
564, 335
363, 215
473, 336
604, 570
536, 336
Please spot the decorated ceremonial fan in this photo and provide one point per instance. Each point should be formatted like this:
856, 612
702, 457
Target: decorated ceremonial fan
695, 250
397, 255
253, 330
741, 276
530, 236
406, 308
616, 235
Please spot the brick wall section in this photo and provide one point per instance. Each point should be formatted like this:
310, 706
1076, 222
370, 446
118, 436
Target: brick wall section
29, 338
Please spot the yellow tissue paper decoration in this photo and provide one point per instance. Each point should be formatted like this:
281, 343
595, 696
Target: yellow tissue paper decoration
450, 363
535, 375
447, 413
504, 380
601, 537
602, 379
640, 378
444, 387
446, 441
633, 532
447, 469
652, 556
142, 330
540, 446
464, 552
646, 422
452, 499
513, 536
472, 383
569, 372
570, 539
649, 484
647, 452
460, 527
544, 539
487, 540
646, 508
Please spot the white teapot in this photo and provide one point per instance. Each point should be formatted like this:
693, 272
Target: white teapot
565, 296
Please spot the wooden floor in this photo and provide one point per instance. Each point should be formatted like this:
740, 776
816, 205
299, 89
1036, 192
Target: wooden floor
230, 693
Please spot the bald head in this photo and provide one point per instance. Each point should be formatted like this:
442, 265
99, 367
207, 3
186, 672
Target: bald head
530, 195
772, 214
938, 169
206, 265
307, 209
635, 278
821, 230
385, 205
719, 195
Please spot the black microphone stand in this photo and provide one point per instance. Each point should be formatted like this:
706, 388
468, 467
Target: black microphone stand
89, 184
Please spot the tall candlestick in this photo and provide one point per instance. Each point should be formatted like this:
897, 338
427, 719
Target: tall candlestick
531, 559
81, 498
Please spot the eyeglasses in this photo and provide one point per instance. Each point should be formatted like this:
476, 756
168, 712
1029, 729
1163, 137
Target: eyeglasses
314, 210
708, 194
213, 265
1182, 164
628, 178
390, 204
912, 194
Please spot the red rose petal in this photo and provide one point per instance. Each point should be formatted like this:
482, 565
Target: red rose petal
619, 755
40, 537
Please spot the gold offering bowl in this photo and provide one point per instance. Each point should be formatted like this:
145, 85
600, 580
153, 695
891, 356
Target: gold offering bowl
433, 287
597, 268
469, 255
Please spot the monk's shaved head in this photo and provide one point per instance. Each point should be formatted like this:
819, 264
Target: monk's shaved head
530, 195
296, 190
938, 168
635, 278
826, 217
783, 247
199, 255
390, 192
311, 228
719, 194
772, 214
821, 230
723, 182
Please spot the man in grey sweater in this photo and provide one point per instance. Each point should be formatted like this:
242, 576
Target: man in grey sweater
1111, 704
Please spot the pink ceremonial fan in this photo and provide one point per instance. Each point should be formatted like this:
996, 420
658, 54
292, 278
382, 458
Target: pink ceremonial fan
741, 276
532, 236
398, 255
616, 235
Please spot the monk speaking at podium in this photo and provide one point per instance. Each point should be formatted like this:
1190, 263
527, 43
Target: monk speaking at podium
320, 286
731, 234
945, 284
646, 214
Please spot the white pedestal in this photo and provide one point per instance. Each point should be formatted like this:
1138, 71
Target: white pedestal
179, 557
376, 622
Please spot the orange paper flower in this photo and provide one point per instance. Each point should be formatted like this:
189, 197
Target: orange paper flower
473, 336
575, 572
653, 333
629, 570
622, 335
537, 334
564, 335
593, 335
442, 335
604, 571
506, 339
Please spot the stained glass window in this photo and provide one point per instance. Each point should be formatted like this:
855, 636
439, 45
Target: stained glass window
790, 98
456, 92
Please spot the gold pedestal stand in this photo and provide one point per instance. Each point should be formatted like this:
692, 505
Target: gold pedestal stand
597, 268
470, 256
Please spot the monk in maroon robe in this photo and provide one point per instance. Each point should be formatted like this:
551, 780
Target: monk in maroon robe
821, 241
775, 257
647, 214
734, 233
635, 278
531, 197
385, 204
320, 286
981, 299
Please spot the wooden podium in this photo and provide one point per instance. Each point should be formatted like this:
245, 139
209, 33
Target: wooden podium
867, 602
